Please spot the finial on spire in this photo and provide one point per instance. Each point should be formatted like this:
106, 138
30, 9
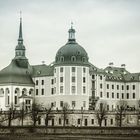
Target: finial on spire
20, 39
71, 25
71, 33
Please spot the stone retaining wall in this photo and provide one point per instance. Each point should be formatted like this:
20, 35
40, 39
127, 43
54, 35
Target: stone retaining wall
71, 130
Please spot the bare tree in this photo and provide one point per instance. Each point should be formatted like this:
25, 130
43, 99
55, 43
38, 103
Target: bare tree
121, 112
138, 111
11, 114
48, 110
36, 108
65, 111
101, 113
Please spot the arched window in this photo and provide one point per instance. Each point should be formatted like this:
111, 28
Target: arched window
1, 92
62, 59
16, 90
17, 94
73, 58
31, 92
24, 91
7, 97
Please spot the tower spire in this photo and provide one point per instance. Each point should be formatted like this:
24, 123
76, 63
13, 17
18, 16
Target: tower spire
20, 48
20, 39
71, 34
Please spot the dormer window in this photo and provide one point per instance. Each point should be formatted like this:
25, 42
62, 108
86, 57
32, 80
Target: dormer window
62, 59
73, 58
78, 52
83, 59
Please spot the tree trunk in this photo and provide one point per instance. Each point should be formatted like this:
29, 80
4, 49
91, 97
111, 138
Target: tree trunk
64, 119
46, 122
120, 120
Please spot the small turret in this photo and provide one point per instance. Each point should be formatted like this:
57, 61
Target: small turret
71, 34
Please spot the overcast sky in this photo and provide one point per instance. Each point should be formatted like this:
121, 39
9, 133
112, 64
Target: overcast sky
109, 30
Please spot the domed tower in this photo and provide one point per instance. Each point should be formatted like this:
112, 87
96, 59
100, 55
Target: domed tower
71, 75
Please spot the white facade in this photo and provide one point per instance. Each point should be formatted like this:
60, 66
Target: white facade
71, 79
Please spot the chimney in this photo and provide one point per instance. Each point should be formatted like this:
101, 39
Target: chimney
43, 62
123, 66
111, 64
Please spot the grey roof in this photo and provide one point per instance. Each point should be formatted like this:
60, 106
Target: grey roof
71, 49
94, 70
15, 74
120, 74
42, 70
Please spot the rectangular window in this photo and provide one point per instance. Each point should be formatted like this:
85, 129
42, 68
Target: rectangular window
73, 69
36, 82
73, 79
61, 69
52, 91
84, 70
107, 86
61, 79
133, 87
127, 87
73, 89
59, 121
101, 94
36, 91
112, 86
101, 77
93, 76
84, 89
52, 81
107, 94
42, 91
8, 100
73, 104
101, 86
78, 121
122, 96
61, 103
117, 87
122, 87
15, 100
92, 121
111, 121
42, 82
61, 89
112, 94
84, 79
133, 95
127, 95
108, 107
28, 102
117, 95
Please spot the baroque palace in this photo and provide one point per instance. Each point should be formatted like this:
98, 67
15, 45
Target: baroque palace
70, 79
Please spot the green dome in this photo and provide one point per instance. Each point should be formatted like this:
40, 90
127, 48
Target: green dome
72, 52
15, 74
